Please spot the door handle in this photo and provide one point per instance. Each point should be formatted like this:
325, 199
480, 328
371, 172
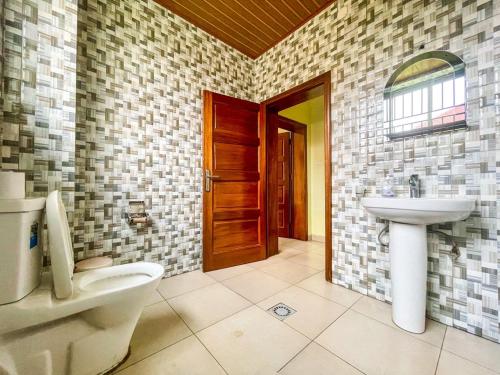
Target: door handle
208, 180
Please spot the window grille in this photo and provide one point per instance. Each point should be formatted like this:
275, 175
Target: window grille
425, 95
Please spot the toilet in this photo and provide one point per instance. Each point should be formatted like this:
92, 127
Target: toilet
75, 324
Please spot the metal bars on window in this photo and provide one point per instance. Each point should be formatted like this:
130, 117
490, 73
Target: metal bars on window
425, 95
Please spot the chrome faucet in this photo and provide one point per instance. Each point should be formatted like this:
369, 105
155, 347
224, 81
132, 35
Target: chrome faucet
414, 186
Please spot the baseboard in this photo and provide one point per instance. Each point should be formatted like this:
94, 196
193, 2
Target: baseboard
315, 237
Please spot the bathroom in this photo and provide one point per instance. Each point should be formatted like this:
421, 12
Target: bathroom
103, 101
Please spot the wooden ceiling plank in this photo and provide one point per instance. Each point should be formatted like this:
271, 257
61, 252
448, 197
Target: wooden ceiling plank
309, 9
316, 3
262, 24
250, 26
286, 4
284, 16
242, 21
210, 20
212, 29
270, 19
325, 5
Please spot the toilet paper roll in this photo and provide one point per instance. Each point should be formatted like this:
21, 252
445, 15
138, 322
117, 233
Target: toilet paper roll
139, 220
12, 185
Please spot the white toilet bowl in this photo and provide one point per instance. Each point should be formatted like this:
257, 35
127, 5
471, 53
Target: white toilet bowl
74, 324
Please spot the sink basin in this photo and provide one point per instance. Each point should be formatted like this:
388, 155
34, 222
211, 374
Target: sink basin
408, 249
420, 211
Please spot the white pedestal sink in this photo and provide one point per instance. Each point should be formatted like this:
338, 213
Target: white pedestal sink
408, 248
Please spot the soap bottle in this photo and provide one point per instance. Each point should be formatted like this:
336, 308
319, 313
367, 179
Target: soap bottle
387, 189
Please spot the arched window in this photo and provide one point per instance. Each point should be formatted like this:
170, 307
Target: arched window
424, 95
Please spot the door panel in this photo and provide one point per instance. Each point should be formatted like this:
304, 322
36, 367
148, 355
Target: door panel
235, 233
236, 194
284, 184
232, 157
234, 220
233, 120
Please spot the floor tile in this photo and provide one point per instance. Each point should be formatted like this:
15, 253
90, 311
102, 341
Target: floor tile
375, 348
314, 313
300, 245
310, 260
187, 357
227, 273
251, 342
255, 285
155, 297
450, 364
266, 262
158, 327
288, 253
186, 282
318, 248
289, 271
381, 311
284, 241
203, 307
315, 360
476, 349
317, 284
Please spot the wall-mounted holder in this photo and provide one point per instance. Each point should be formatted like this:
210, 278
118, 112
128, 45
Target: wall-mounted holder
137, 213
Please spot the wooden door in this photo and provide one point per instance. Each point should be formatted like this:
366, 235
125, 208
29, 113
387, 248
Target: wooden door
234, 216
284, 184
298, 177
299, 209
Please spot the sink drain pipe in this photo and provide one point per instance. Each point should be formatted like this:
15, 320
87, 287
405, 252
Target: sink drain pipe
382, 232
455, 251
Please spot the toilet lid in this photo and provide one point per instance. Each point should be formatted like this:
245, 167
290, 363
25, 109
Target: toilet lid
60, 247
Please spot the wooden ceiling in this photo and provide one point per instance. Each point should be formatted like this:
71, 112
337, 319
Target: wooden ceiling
250, 26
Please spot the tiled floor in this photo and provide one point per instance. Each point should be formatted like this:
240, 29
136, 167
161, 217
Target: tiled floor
218, 323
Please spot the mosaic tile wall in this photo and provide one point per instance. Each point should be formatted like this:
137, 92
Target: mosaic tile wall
37, 123
141, 72
361, 42
111, 112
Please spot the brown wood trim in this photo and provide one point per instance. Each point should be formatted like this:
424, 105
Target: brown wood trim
298, 191
284, 100
305, 91
292, 126
300, 219
272, 181
327, 92
207, 162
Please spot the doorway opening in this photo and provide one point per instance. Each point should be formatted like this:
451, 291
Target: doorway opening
247, 164
299, 168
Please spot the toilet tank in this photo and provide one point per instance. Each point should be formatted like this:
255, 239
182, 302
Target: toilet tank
20, 239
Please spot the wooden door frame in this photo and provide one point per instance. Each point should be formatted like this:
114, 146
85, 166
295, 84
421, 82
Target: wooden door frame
320, 85
295, 127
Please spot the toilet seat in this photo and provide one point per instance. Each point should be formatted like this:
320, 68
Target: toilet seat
41, 307
82, 322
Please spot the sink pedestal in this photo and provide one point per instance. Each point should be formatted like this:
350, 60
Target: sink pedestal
408, 249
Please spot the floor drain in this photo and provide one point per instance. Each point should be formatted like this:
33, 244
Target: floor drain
281, 311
